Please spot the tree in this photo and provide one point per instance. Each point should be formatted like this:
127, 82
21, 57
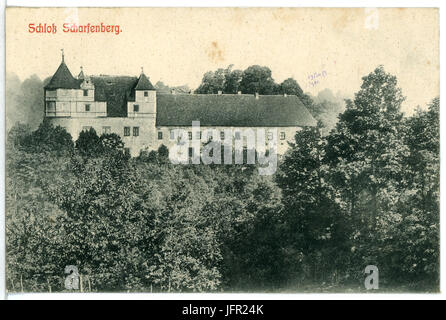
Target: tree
33, 238
232, 80
417, 248
163, 88
212, 82
257, 79
315, 235
225, 80
17, 135
163, 152
111, 142
24, 101
48, 138
253, 79
89, 143
327, 112
132, 226
365, 153
291, 87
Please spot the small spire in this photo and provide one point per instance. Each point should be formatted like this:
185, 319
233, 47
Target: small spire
81, 74
62, 55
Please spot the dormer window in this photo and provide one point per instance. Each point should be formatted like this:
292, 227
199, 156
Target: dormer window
85, 93
146, 93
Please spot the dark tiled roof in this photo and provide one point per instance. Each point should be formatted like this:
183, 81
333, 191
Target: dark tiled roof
116, 91
144, 83
63, 79
181, 109
232, 110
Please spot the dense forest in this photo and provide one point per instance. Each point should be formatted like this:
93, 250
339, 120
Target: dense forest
364, 193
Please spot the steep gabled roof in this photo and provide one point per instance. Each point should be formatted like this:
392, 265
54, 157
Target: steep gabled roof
232, 110
144, 83
63, 79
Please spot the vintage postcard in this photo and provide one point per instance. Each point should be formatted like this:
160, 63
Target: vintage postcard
269, 150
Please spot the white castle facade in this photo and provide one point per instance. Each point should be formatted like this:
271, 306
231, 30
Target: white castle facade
145, 119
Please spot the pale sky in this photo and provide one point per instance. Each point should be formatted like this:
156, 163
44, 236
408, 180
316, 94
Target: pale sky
177, 45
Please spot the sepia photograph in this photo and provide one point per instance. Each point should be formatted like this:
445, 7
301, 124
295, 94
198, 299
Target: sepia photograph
222, 150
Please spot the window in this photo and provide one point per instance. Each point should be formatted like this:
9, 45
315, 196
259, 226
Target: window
135, 131
282, 135
51, 106
127, 151
191, 152
270, 136
146, 94
126, 131
210, 135
222, 135
106, 130
189, 135
172, 134
87, 107
198, 135
237, 135
85, 93
160, 135
136, 108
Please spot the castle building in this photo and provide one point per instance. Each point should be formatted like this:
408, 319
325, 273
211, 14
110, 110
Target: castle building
145, 119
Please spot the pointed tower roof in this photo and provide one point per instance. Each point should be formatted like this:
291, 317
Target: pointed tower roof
143, 82
62, 79
81, 74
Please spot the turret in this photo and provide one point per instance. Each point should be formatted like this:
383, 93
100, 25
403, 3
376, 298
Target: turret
62, 78
145, 98
59, 90
67, 96
86, 85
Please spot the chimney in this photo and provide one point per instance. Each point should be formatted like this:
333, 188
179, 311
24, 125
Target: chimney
239, 92
219, 92
172, 91
257, 96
